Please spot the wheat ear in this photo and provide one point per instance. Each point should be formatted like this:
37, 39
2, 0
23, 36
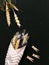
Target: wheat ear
7, 14
16, 20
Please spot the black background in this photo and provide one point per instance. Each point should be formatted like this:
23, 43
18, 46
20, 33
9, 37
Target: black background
34, 17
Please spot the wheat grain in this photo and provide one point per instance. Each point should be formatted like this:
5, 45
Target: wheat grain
29, 58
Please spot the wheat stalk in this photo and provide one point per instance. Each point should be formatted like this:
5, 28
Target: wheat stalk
13, 6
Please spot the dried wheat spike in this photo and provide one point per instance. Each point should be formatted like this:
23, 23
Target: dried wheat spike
17, 20
7, 14
15, 42
19, 40
25, 38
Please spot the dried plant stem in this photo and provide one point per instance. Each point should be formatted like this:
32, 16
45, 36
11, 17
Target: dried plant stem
7, 14
13, 6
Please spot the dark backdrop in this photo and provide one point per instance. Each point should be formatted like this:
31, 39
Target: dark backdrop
34, 17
